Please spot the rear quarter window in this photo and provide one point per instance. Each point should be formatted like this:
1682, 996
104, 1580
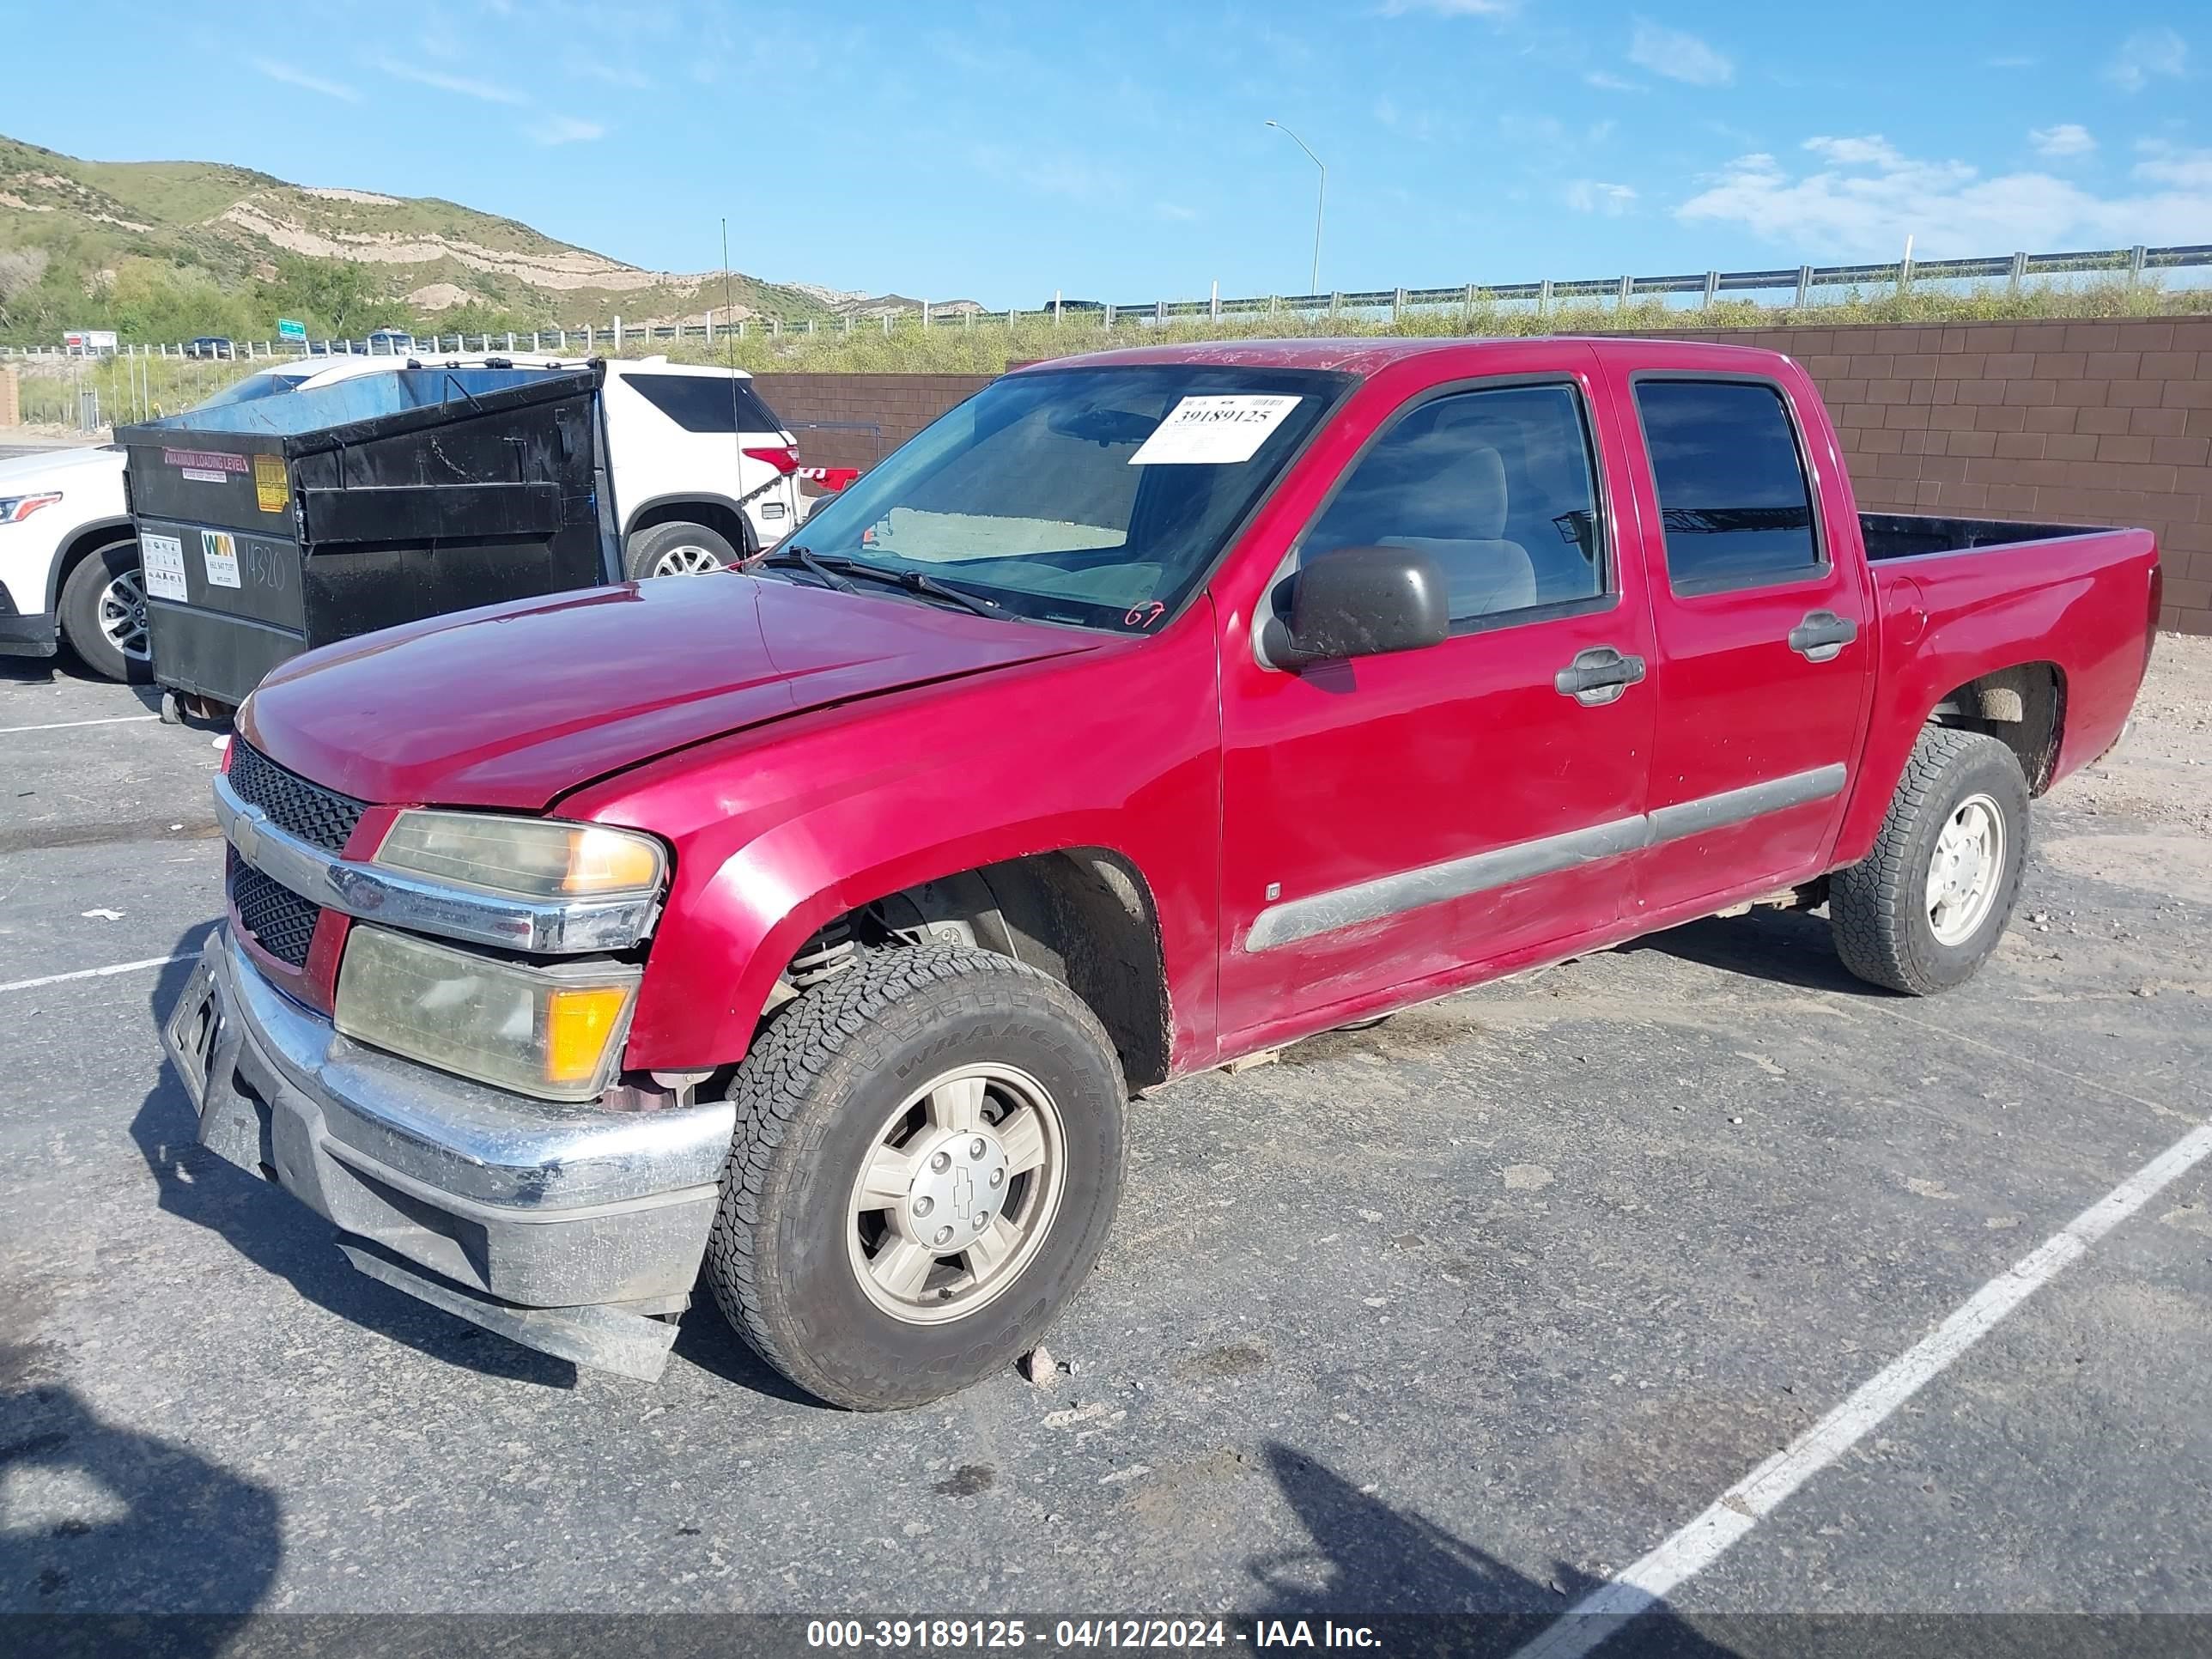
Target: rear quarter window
706, 402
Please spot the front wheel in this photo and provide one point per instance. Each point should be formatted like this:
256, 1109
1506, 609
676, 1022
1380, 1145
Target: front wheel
677, 549
928, 1159
103, 614
1924, 909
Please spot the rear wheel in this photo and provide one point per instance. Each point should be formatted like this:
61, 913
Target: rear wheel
1924, 909
677, 549
928, 1159
103, 614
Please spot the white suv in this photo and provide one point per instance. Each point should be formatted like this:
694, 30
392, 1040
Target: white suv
703, 473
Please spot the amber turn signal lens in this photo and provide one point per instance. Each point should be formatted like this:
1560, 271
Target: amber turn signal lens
577, 1026
608, 860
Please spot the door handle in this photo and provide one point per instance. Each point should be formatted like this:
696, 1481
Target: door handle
1822, 635
1598, 676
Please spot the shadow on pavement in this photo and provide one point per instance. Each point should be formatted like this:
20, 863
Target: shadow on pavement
275, 1231
1370, 1560
103, 1520
1783, 947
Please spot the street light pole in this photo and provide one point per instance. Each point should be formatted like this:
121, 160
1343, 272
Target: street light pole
1321, 201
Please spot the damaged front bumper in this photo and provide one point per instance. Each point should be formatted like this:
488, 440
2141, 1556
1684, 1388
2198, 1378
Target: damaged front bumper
573, 1229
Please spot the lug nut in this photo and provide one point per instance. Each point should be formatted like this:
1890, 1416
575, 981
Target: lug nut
998, 1177
924, 1205
941, 1161
978, 1147
982, 1221
944, 1235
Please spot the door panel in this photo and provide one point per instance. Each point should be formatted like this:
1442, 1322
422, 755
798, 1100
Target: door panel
1393, 818
1763, 625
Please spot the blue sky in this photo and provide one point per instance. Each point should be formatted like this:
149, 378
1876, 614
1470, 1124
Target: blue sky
1119, 152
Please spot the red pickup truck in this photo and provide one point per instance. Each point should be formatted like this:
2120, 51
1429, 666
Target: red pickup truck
807, 923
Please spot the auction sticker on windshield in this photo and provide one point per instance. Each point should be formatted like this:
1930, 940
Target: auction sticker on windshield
1214, 431
162, 559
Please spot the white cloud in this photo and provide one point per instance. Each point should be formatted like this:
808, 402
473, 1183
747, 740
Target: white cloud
1452, 7
298, 77
2014, 61
2067, 138
1872, 151
564, 130
490, 92
1175, 210
1606, 82
1678, 55
1868, 198
2166, 164
2144, 55
1594, 195
1075, 177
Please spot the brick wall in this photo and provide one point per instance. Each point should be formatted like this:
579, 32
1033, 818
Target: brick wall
2084, 422
900, 403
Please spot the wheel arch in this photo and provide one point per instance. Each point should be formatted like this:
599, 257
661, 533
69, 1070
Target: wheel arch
1083, 914
718, 513
2023, 706
81, 545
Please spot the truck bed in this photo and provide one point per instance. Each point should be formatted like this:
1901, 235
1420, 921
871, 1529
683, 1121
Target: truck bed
1906, 535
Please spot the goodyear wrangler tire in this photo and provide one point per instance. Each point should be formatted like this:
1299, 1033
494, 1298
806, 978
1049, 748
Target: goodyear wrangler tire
1924, 909
927, 1157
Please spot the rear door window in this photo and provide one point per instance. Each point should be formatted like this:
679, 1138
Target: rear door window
706, 402
1732, 494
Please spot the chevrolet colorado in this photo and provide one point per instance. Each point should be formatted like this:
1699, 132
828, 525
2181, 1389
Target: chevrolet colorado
806, 925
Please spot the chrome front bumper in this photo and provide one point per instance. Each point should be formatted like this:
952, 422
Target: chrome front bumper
570, 1229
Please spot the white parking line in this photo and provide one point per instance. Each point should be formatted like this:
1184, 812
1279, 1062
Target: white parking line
91, 973
63, 725
1603, 1612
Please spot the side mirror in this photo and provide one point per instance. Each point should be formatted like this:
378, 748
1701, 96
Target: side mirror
1361, 602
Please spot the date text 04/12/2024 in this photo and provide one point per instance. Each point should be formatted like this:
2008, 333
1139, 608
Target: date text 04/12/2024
986, 1634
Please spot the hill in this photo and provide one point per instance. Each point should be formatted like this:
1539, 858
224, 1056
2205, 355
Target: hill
167, 249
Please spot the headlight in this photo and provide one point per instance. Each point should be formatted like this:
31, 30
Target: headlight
553, 1032
525, 858
14, 509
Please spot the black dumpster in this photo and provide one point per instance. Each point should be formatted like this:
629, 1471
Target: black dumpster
268, 527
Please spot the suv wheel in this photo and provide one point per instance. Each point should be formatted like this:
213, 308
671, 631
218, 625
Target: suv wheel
103, 614
677, 549
928, 1159
1924, 909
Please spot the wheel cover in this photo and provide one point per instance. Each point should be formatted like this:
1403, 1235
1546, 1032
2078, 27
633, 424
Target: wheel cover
122, 614
686, 559
961, 1185
1965, 870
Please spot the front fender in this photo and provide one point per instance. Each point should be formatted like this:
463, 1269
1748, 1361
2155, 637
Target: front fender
778, 832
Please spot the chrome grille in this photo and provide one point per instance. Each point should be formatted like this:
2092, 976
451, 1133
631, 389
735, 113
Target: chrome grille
320, 816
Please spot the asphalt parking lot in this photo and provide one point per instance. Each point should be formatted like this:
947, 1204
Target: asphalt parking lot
1466, 1312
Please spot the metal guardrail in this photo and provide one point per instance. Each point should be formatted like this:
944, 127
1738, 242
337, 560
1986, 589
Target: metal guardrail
1801, 281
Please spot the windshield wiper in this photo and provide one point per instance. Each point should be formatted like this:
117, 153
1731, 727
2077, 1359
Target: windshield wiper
803, 557
828, 567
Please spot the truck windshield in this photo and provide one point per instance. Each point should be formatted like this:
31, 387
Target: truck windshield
1096, 496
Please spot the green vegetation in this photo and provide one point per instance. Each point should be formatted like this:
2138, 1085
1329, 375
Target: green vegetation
988, 344
173, 249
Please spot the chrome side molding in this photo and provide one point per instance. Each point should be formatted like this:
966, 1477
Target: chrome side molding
1502, 866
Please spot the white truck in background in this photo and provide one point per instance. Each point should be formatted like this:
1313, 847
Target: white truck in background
704, 473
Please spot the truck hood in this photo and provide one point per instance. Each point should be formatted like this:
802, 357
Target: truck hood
515, 705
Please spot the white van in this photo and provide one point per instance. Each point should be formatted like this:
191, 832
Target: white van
703, 474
